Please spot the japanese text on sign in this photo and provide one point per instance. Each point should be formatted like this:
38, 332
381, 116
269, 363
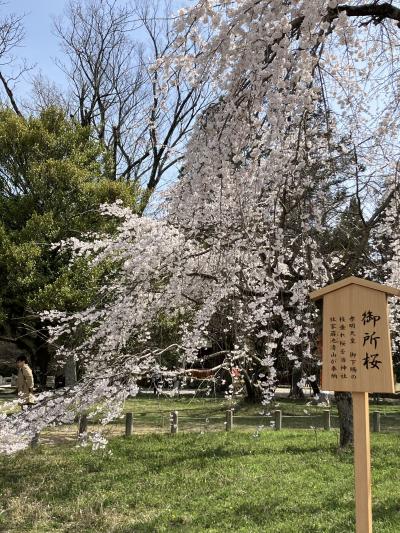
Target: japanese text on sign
344, 361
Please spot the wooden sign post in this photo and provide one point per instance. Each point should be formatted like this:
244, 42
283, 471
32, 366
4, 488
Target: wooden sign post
356, 358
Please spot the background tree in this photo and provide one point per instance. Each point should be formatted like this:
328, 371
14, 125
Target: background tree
139, 113
51, 185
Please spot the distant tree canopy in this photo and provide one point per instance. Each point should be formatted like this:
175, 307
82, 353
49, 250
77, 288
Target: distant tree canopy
52, 181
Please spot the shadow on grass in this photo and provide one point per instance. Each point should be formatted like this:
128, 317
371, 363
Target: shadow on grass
65, 473
388, 512
166, 451
64, 478
268, 517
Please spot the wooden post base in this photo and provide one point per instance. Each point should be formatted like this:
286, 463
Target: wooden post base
362, 462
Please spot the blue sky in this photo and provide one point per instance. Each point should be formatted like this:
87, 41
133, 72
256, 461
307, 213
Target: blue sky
40, 46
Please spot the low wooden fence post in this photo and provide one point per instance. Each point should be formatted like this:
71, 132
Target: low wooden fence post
174, 422
35, 440
376, 421
278, 420
327, 420
229, 420
83, 426
128, 424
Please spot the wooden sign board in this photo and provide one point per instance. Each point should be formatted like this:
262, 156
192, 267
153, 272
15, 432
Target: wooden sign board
356, 358
356, 348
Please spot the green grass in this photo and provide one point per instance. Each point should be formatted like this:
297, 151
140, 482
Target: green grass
278, 482
151, 404
202, 414
151, 414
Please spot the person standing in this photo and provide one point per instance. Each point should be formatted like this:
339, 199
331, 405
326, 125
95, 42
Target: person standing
25, 380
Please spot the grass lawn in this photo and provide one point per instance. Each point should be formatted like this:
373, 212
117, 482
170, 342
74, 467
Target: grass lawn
204, 414
152, 414
288, 481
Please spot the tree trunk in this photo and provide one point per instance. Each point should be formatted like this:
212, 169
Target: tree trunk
70, 372
252, 392
314, 386
295, 391
345, 411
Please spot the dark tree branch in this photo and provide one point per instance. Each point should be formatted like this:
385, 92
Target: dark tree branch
377, 12
10, 95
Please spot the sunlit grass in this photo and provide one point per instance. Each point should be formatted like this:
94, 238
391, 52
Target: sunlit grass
152, 414
289, 481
